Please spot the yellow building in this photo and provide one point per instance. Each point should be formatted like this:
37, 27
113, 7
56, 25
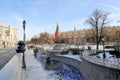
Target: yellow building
8, 36
111, 34
76, 36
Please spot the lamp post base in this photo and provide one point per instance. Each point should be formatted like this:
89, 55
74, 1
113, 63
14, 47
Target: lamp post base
23, 62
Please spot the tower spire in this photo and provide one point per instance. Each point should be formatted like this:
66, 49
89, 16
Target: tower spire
57, 33
74, 29
57, 27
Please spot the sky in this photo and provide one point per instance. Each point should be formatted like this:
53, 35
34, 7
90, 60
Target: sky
43, 15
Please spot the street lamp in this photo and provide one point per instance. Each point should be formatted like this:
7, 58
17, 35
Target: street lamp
24, 24
23, 59
103, 39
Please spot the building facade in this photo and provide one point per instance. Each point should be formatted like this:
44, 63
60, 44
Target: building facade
8, 36
76, 36
111, 34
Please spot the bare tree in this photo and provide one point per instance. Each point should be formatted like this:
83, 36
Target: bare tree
34, 40
42, 38
98, 20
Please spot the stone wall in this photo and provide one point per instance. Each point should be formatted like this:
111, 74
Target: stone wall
66, 60
89, 70
93, 71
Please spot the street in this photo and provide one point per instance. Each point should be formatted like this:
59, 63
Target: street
5, 55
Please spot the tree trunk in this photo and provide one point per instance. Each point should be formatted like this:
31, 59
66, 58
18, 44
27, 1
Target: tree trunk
97, 41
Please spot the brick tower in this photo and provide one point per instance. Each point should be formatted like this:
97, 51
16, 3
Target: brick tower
57, 34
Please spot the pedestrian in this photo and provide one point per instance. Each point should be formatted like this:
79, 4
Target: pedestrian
35, 52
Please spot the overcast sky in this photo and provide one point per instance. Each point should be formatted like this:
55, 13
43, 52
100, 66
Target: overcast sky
43, 15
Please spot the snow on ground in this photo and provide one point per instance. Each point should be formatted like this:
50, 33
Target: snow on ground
70, 55
77, 57
108, 55
66, 72
94, 47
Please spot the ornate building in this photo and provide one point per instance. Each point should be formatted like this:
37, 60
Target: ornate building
8, 36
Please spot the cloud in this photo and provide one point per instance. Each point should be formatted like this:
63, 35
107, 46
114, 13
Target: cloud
112, 7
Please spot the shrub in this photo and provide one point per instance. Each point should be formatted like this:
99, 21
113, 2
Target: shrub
48, 60
94, 54
64, 52
116, 53
109, 47
89, 48
75, 50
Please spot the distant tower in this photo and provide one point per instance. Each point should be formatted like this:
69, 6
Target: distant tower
57, 34
74, 29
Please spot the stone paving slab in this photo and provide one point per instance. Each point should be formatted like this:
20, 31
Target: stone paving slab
34, 70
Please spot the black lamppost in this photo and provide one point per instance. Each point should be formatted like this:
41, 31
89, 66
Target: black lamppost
24, 24
23, 59
103, 39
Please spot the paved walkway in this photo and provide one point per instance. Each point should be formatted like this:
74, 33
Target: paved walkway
13, 70
34, 70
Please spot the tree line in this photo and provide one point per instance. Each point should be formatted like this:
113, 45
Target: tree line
42, 38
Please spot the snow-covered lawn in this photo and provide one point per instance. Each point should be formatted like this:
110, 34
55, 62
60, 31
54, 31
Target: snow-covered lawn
66, 72
108, 55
